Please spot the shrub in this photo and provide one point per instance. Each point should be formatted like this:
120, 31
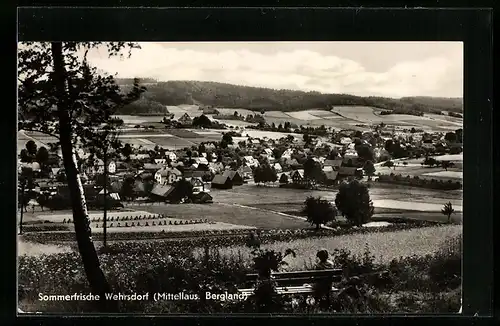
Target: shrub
445, 269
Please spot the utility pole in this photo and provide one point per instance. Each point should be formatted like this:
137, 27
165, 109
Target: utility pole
105, 193
23, 185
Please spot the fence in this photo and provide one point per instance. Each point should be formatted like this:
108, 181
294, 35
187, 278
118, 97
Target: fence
135, 223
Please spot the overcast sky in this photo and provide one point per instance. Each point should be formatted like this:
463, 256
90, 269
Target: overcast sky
392, 69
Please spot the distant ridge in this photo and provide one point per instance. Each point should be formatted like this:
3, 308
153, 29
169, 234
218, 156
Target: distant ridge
216, 94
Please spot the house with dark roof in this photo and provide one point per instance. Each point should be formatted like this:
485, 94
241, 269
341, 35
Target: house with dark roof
161, 192
335, 164
222, 182
234, 176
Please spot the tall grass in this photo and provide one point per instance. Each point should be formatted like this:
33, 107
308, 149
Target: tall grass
428, 283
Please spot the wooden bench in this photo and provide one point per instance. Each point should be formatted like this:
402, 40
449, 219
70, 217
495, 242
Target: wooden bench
296, 282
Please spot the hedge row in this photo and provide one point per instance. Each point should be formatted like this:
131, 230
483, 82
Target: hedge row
420, 182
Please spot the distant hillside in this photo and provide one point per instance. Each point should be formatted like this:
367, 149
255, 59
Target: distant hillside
257, 98
439, 102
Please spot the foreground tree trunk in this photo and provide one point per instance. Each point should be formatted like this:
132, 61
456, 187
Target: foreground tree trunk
95, 275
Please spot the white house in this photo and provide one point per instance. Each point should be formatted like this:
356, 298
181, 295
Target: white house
350, 155
250, 161
345, 140
167, 176
171, 156
287, 153
99, 168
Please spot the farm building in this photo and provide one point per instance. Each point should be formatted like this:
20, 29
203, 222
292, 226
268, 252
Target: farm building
210, 110
161, 192
222, 182
234, 176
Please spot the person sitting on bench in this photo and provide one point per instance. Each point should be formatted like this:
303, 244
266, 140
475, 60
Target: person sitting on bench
323, 288
323, 261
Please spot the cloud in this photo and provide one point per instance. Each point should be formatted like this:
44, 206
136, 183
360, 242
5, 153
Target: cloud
439, 75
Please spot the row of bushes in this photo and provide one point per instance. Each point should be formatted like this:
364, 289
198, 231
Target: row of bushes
420, 182
44, 228
232, 237
435, 277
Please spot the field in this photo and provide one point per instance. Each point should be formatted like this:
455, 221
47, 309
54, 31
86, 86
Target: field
341, 117
414, 167
270, 208
384, 246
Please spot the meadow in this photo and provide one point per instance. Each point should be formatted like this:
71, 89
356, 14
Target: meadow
384, 246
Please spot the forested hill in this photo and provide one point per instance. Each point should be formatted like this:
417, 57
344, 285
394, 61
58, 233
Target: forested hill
256, 98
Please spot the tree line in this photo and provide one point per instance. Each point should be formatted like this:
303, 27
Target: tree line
258, 98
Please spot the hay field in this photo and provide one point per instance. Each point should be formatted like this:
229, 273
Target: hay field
384, 246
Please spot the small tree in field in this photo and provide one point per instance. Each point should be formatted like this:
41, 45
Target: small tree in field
369, 169
353, 201
447, 210
319, 211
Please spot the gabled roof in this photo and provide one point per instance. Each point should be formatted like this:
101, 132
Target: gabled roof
299, 172
162, 190
220, 179
231, 174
